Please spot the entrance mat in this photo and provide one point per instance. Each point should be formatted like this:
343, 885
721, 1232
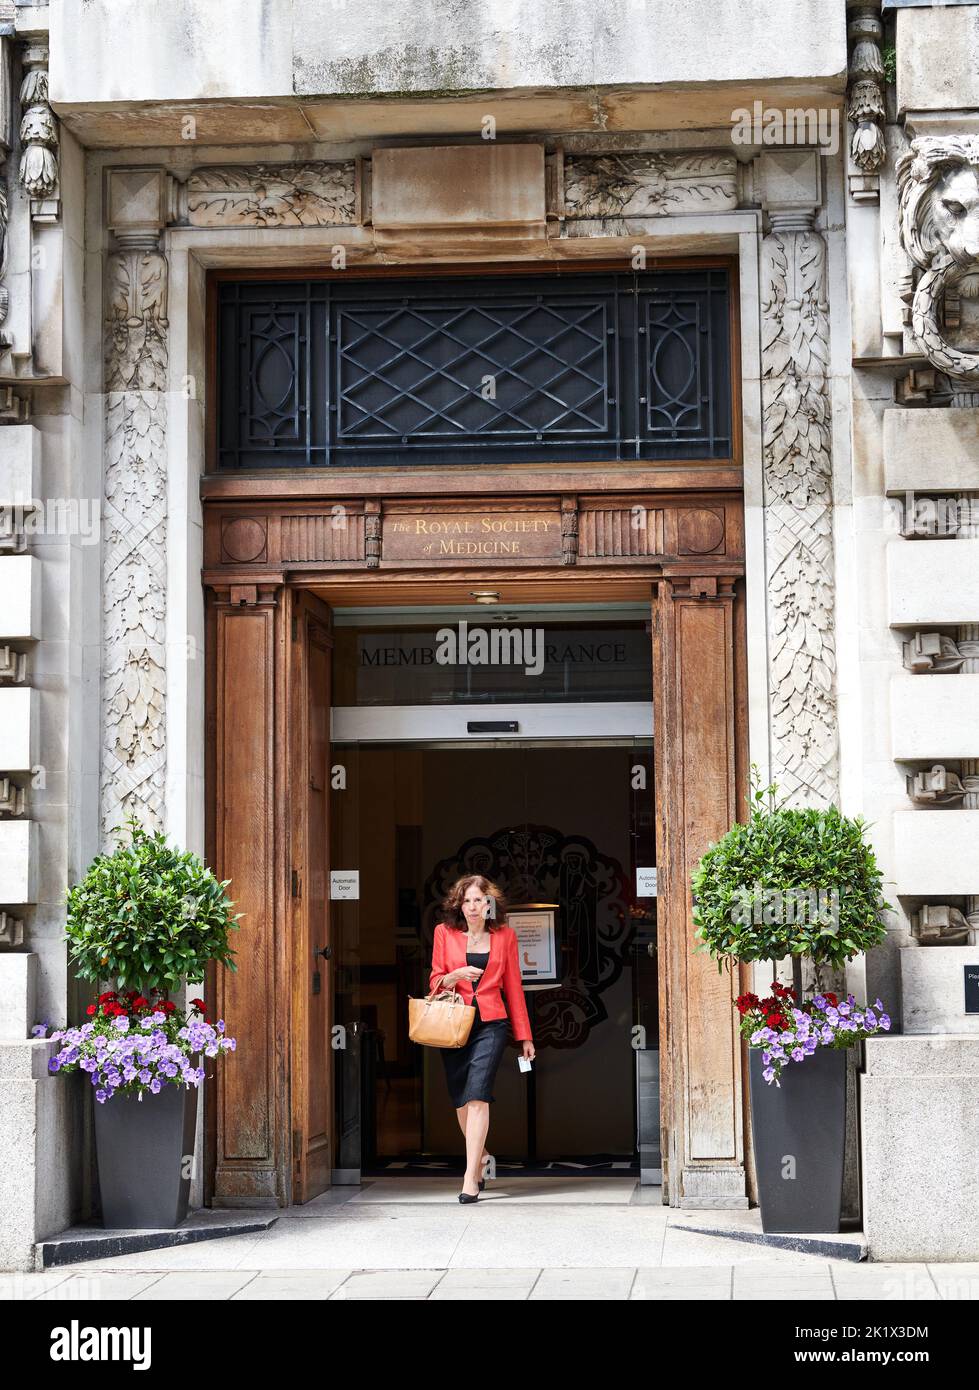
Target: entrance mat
438, 1165
96, 1243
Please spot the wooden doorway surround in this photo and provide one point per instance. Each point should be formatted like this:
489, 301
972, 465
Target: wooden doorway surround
280, 551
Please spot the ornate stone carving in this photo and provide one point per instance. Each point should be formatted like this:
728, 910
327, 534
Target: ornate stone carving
11, 798
936, 786
932, 651
134, 540
865, 99
38, 127
372, 534
938, 188
316, 194
649, 185
569, 530
939, 924
13, 537
798, 509
13, 667
11, 930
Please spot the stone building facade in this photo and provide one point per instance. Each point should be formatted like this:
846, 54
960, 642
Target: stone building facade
814, 596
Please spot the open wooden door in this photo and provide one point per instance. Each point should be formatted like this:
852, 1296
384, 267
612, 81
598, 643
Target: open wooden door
307, 738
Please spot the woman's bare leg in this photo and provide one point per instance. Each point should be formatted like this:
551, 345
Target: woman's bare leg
485, 1157
477, 1127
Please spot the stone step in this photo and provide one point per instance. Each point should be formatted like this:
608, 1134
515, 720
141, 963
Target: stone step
91, 1242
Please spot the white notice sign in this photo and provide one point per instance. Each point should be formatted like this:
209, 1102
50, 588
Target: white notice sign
645, 883
344, 885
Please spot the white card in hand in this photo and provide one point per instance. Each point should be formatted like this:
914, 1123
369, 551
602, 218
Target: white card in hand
524, 1063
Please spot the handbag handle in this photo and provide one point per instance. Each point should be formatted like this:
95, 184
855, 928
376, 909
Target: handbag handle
451, 995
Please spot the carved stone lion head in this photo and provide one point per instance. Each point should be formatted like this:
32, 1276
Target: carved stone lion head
938, 188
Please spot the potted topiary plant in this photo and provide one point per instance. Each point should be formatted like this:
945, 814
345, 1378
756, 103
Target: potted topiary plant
797, 883
146, 918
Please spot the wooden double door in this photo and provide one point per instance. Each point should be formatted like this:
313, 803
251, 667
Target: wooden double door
269, 1112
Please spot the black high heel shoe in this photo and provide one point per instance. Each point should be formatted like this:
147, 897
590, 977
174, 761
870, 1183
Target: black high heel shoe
465, 1197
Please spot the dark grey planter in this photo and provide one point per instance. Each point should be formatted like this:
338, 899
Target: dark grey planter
144, 1149
798, 1134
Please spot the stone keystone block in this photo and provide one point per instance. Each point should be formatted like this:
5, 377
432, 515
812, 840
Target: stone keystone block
136, 200
458, 187
790, 180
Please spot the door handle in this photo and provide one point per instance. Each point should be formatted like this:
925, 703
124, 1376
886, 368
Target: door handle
325, 951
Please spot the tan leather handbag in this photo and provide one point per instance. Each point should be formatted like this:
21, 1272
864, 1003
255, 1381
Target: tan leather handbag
441, 1019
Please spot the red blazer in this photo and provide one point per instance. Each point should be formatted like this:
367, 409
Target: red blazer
502, 972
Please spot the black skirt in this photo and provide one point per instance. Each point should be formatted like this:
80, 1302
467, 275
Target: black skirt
471, 1070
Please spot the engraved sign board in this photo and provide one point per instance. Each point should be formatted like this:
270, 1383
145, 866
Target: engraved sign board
471, 537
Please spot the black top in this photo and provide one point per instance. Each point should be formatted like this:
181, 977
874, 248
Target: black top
479, 959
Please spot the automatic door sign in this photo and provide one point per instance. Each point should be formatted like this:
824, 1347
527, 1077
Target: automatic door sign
344, 885
536, 944
971, 988
645, 883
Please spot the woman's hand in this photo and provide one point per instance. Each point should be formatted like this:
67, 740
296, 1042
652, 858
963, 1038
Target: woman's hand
528, 1050
465, 972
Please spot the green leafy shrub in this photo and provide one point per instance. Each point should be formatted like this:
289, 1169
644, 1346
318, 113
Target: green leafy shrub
148, 916
789, 882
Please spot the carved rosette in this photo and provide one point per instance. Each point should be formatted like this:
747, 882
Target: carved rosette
134, 539
798, 511
38, 127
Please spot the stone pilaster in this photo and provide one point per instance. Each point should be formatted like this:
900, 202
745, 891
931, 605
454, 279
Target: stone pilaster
133, 761
865, 99
798, 483
38, 134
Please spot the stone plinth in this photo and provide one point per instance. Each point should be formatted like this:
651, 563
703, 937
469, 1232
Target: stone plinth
934, 717
919, 1125
18, 987
932, 581
933, 989
935, 851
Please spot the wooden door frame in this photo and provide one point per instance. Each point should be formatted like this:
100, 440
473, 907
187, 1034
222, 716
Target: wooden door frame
699, 698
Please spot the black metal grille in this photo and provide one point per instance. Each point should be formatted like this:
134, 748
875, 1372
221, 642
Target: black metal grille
541, 369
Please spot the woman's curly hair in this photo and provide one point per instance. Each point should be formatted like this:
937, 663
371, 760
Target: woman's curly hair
452, 906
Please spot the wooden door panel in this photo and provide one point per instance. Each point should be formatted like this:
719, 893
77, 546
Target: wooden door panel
312, 972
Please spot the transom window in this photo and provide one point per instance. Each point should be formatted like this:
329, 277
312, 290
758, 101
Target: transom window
497, 370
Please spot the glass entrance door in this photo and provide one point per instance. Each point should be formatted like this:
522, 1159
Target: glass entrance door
564, 826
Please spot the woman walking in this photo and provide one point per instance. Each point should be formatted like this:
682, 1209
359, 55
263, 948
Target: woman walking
475, 953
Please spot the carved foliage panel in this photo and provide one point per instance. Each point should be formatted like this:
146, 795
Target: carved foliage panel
797, 412
134, 541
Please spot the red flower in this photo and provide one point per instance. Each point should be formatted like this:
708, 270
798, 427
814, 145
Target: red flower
199, 1005
775, 1021
139, 1002
830, 998
166, 1007
92, 1008
110, 994
744, 1003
